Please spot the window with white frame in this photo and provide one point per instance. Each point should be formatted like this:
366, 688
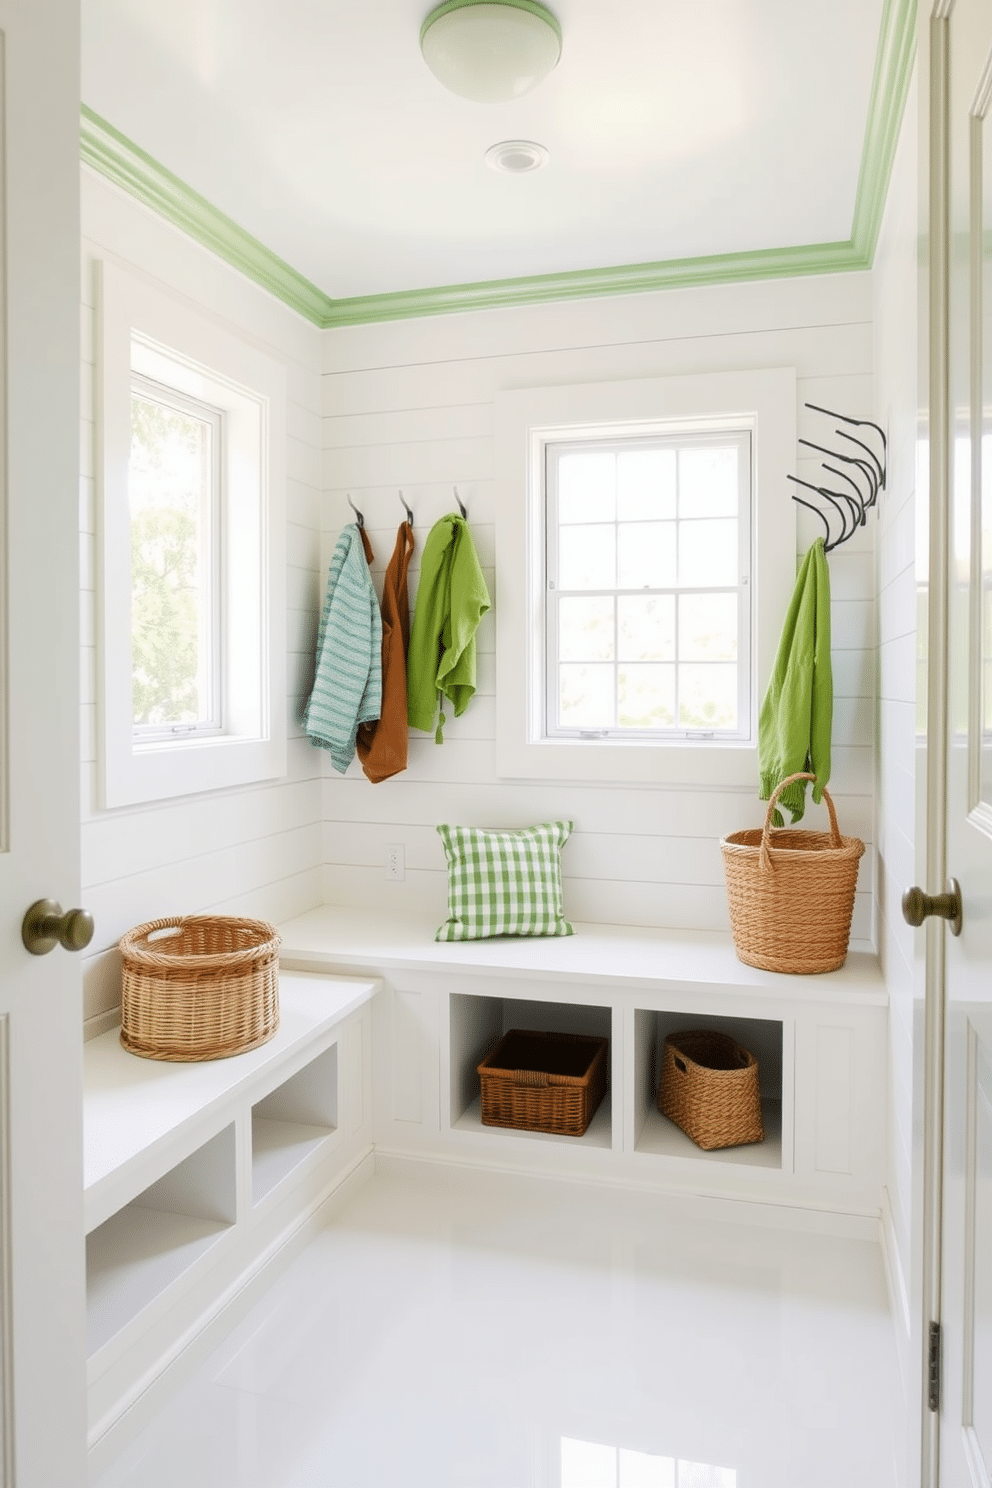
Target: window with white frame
646, 553
648, 604
192, 574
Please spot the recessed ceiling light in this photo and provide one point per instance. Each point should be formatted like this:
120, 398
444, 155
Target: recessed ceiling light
516, 157
490, 52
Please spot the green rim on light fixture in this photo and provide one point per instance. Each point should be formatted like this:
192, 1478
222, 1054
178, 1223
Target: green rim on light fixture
491, 51
533, 6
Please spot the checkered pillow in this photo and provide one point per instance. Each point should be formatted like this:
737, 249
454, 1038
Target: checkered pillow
504, 883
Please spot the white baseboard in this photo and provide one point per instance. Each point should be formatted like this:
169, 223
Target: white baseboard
109, 1437
718, 1208
101, 1023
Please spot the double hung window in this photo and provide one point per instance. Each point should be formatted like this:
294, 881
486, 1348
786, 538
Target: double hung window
648, 613
192, 644
646, 554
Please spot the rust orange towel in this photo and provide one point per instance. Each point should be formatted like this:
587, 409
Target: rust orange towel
382, 746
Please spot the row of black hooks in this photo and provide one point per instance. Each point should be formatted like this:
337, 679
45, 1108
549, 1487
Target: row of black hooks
864, 477
406, 507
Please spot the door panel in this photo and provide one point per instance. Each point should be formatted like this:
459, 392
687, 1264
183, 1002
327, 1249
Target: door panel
978, 1247
41, 1221
965, 1427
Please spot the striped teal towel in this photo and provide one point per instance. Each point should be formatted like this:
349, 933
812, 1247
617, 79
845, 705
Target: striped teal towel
347, 687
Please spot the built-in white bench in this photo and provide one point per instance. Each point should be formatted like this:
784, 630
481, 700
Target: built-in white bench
200, 1177
197, 1175
820, 1041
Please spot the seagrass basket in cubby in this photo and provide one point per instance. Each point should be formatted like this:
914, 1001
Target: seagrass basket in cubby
791, 892
544, 1082
709, 1087
199, 987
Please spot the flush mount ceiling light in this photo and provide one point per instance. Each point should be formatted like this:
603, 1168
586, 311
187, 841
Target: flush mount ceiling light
490, 50
516, 157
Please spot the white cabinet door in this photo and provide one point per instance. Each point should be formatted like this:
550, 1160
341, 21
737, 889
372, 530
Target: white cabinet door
41, 1229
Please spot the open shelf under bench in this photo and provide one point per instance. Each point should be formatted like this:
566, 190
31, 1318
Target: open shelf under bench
143, 1116
819, 1041
195, 1174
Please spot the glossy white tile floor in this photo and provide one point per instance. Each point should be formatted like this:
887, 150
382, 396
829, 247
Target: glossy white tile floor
454, 1330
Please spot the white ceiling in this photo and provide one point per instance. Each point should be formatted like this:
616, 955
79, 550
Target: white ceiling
675, 130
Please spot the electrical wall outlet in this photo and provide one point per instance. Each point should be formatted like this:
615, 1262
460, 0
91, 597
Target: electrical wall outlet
395, 865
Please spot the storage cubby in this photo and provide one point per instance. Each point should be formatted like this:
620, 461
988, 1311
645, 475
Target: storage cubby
292, 1122
135, 1255
477, 1023
655, 1134
199, 1176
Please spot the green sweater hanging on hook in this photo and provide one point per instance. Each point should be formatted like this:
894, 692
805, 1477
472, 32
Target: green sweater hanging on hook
451, 600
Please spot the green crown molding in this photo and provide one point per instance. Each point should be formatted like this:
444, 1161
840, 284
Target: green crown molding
122, 161
580, 284
890, 85
128, 166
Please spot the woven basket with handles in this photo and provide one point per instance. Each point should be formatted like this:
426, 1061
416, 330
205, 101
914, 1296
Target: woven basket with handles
709, 1087
547, 1082
199, 987
791, 892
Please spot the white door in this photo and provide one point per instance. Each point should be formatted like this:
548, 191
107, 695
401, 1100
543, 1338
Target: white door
961, 180
41, 1222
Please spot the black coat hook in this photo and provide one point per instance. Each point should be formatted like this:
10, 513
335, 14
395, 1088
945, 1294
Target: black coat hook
877, 465
867, 470
461, 504
846, 418
859, 509
860, 424
361, 519
849, 521
409, 513
864, 473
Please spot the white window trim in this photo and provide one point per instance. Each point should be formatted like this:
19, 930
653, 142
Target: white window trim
179, 345
526, 420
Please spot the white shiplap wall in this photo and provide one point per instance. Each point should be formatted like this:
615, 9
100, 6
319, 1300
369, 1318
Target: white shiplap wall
255, 851
901, 841
410, 406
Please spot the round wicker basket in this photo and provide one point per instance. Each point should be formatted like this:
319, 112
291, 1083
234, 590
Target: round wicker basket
199, 987
791, 892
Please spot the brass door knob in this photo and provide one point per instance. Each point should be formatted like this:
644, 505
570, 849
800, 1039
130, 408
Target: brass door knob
45, 926
917, 906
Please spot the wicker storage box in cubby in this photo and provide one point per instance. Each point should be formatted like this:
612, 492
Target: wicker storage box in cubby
709, 1087
199, 987
546, 1082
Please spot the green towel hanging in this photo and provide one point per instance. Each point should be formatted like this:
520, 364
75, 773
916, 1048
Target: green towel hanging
794, 726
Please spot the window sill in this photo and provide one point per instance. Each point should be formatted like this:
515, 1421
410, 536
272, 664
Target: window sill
152, 772
724, 763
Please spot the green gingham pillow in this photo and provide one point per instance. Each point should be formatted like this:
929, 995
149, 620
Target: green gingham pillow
504, 883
